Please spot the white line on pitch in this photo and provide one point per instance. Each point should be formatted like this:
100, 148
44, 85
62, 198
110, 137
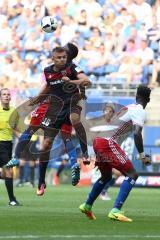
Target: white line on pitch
78, 236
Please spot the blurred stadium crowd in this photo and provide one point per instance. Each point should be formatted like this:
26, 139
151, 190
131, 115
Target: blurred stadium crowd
118, 40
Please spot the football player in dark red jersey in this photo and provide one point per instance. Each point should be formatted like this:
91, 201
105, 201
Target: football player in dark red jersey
63, 81
68, 90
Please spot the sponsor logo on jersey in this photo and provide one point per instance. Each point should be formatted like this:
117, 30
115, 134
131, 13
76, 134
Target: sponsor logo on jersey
56, 82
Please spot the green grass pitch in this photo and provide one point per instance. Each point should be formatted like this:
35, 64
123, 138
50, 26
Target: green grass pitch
56, 215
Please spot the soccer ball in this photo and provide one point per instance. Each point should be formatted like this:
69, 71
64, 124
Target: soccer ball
49, 24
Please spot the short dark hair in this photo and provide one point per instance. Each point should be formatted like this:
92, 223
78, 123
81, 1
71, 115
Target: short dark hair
143, 92
72, 50
59, 50
3, 89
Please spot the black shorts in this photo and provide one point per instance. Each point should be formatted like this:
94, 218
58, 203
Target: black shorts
30, 152
53, 121
5, 152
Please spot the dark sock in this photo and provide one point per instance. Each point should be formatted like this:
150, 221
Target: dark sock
81, 134
32, 174
124, 191
108, 185
43, 163
9, 187
96, 190
23, 141
21, 174
60, 169
42, 172
71, 150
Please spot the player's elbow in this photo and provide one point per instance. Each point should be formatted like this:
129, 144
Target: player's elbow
137, 135
86, 83
89, 82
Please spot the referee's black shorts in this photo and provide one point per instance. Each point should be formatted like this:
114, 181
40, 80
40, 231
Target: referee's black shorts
5, 152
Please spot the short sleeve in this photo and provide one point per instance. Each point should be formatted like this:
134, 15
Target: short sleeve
76, 70
14, 119
45, 77
138, 116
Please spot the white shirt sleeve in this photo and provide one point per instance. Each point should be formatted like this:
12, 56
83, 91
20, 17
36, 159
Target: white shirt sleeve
138, 115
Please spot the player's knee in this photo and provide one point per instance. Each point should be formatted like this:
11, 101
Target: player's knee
75, 122
106, 178
9, 173
66, 137
133, 175
22, 162
47, 144
64, 162
31, 163
75, 119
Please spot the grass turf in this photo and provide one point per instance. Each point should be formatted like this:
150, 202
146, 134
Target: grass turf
56, 215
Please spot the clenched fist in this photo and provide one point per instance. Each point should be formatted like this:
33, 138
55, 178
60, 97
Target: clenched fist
146, 159
66, 79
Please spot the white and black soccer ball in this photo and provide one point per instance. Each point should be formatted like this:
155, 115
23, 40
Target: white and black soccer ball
49, 24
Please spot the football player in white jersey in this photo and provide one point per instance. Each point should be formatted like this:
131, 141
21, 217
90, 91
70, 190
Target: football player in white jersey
110, 155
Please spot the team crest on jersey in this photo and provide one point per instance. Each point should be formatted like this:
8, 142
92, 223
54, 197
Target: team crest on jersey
50, 76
